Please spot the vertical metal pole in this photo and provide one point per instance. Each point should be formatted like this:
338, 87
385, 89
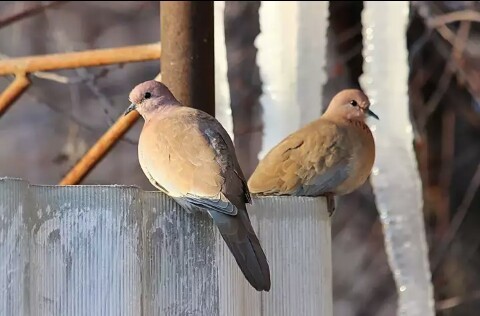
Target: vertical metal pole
188, 52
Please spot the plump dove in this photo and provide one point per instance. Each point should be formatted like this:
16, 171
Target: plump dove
187, 154
331, 156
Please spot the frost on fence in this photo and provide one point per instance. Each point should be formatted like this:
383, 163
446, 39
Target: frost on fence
117, 250
395, 177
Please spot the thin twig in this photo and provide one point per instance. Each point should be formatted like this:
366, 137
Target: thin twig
419, 45
70, 116
104, 101
354, 51
101, 147
448, 153
89, 58
457, 51
442, 29
74, 145
456, 301
437, 95
52, 76
83, 73
461, 39
448, 143
458, 218
28, 12
465, 15
468, 113
449, 69
446, 33
349, 33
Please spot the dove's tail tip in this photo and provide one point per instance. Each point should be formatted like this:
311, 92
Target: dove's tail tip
252, 261
245, 248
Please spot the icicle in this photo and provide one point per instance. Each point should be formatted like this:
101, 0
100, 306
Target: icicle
223, 111
291, 56
395, 178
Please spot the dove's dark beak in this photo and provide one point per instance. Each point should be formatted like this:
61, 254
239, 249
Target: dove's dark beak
370, 113
132, 107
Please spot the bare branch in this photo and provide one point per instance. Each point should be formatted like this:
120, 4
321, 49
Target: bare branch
450, 68
28, 12
456, 301
101, 147
446, 171
458, 218
465, 15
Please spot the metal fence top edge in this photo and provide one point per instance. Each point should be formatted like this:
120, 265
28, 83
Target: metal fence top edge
101, 186
134, 187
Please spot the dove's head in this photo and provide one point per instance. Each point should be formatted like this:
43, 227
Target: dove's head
350, 104
149, 96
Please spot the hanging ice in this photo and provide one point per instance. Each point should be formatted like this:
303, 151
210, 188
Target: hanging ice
291, 56
395, 178
223, 111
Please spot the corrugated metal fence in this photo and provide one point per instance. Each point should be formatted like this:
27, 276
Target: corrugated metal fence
118, 250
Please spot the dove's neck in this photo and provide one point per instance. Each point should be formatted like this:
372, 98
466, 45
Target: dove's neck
162, 110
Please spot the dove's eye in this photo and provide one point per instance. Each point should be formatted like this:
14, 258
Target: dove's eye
353, 103
147, 95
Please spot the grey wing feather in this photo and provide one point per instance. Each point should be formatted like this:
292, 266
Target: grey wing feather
326, 182
236, 189
231, 195
212, 204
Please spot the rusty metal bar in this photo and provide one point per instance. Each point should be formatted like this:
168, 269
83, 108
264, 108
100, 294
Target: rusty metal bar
13, 91
188, 52
101, 147
90, 58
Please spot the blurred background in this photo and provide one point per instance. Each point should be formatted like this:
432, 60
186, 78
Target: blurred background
59, 117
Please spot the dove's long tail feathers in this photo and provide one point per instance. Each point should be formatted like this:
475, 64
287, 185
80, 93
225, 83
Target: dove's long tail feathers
238, 233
